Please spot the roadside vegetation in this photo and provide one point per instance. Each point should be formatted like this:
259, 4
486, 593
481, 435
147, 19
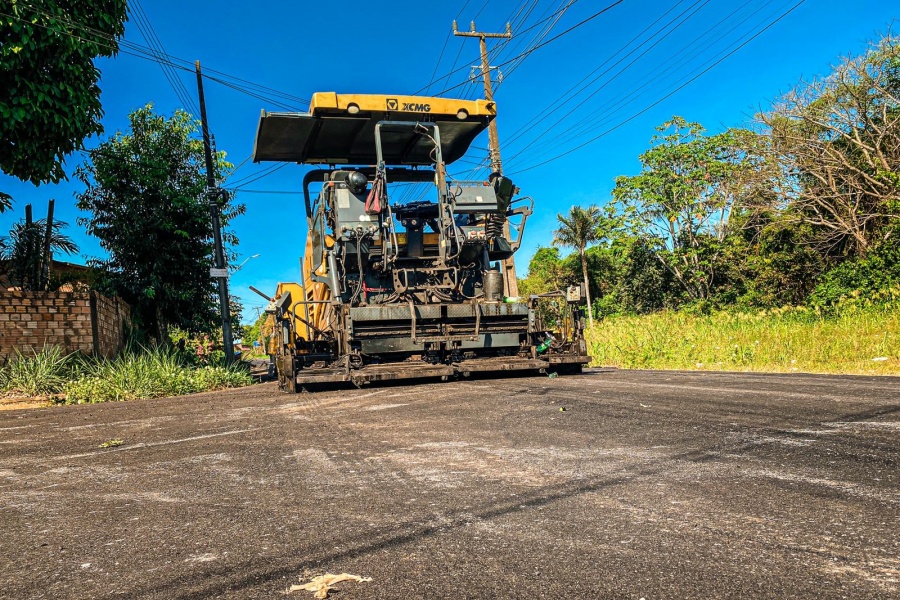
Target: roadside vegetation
144, 199
859, 338
136, 373
154, 224
770, 247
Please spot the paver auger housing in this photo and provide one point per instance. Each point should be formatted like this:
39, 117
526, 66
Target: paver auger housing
395, 290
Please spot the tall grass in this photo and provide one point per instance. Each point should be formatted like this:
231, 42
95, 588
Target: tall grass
39, 372
862, 338
150, 374
137, 373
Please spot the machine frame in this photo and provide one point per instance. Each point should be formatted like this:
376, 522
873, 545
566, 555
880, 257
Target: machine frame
376, 303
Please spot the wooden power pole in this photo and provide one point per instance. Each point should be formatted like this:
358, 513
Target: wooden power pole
511, 284
220, 271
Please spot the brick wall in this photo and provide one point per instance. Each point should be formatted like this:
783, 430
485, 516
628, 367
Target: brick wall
110, 318
77, 321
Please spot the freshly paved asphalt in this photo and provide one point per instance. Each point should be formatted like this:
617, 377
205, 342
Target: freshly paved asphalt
648, 485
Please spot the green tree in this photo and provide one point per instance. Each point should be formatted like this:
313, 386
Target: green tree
146, 195
546, 273
836, 146
253, 333
49, 93
684, 195
577, 230
646, 285
778, 264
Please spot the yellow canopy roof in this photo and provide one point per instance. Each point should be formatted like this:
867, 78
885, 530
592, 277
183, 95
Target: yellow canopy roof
340, 129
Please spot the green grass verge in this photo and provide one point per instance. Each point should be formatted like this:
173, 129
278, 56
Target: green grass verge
150, 374
853, 340
37, 373
139, 373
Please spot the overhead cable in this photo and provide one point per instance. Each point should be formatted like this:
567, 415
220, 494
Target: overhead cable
666, 96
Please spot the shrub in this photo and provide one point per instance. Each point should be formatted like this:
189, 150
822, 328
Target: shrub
41, 373
863, 277
134, 374
150, 374
217, 378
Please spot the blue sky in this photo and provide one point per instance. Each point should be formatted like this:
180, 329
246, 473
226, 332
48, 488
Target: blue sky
632, 60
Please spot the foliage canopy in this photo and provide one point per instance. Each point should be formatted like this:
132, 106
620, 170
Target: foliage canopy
146, 195
802, 209
49, 92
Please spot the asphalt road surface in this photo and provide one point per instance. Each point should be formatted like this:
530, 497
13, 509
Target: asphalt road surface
648, 485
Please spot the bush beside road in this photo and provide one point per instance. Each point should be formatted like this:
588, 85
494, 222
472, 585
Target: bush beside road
49, 375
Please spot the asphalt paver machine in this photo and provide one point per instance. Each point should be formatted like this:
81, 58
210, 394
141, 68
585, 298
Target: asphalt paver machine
412, 288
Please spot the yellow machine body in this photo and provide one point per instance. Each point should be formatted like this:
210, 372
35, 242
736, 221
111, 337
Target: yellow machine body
401, 290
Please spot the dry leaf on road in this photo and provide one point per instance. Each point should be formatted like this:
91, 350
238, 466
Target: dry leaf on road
322, 584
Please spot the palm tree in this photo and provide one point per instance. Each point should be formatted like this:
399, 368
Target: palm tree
23, 251
576, 230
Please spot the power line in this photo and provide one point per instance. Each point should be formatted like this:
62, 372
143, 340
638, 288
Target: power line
286, 192
241, 164
518, 21
538, 38
504, 45
137, 50
606, 116
586, 125
454, 70
149, 34
459, 53
252, 94
550, 128
264, 171
441, 56
480, 10
533, 44
558, 101
665, 97
237, 185
551, 40
261, 88
438, 63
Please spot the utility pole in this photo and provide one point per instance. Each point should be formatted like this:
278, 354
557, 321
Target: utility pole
496, 162
511, 284
213, 193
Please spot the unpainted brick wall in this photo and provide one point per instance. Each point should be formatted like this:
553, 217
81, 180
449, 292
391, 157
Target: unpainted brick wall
110, 318
72, 320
